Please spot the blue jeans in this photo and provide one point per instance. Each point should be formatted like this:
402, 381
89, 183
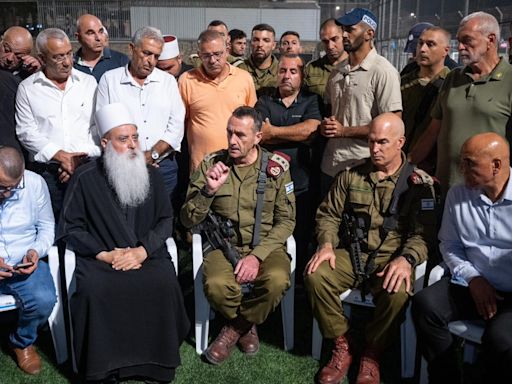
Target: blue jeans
35, 296
169, 171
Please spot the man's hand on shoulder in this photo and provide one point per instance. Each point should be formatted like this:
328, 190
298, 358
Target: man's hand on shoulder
247, 269
216, 176
324, 253
395, 272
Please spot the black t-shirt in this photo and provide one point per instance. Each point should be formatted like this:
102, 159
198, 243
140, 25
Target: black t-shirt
8, 87
305, 106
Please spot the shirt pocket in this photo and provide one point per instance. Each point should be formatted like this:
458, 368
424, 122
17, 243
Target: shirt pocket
361, 202
225, 202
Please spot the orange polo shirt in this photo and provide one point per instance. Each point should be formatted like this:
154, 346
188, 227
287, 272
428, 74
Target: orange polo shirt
209, 105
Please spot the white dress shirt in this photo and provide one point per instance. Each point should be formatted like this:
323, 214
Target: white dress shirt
49, 119
156, 106
26, 220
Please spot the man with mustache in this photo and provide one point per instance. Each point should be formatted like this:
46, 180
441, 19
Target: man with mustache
94, 56
127, 312
291, 119
420, 87
317, 72
153, 97
391, 245
262, 64
226, 183
211, 93
473, 99
357, 91
54, 114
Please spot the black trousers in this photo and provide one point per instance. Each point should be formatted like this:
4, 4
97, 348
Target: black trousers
435, 306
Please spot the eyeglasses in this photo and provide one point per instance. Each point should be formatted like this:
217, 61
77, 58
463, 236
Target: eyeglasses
207, 56
14, 188
62, 57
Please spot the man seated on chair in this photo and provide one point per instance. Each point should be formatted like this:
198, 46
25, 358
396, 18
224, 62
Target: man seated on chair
476, 245
127, 313
26, 235
226, 183
391, 241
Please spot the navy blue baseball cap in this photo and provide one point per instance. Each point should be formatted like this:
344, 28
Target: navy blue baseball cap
356, 15
414, 35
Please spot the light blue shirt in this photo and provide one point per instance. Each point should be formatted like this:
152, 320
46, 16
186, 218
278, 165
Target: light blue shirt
26, 220
476, 236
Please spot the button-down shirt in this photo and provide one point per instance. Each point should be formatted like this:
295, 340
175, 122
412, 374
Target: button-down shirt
476, 236
49, 119
110, 59
156, 105
26, 220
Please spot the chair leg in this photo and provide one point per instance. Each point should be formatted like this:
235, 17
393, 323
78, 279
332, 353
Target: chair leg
317, 339
287, 314
202, 308
408, 345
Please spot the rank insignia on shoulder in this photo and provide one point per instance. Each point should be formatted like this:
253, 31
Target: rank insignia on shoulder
278, 163
419, 176
213, 155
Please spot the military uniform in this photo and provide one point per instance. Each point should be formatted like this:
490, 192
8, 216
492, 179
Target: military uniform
316, 74
196, 62
236, 200
370, 198
265, 80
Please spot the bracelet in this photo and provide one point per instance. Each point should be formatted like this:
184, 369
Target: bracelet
205, 193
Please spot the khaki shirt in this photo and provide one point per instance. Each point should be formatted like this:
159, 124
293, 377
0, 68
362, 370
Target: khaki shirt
316, 74
265, 80
370, 199
236, 200
357, 95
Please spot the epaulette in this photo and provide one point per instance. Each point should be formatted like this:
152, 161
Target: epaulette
237, 62
419, 176
214, 154
278, 163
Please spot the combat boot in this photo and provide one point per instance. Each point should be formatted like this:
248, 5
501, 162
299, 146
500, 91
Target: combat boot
369, 371
249, 343
337, 368
220, 349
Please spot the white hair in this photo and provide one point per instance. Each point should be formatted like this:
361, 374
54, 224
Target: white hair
151, 33
49, 33
487, 23
127, 174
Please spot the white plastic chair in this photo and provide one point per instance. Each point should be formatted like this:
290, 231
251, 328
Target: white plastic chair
408, 333
470, 330
7, 303
202, 307
56, 319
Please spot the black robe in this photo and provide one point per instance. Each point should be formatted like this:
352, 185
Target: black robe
126, 323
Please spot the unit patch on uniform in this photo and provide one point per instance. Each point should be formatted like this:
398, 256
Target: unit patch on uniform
427, 204
278, 163
289, 187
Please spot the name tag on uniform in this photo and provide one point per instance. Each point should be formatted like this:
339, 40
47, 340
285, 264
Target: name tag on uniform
427, 204
289, 187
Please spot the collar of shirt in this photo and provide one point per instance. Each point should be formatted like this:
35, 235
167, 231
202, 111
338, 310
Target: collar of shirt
276, 97
202, 73
498, 73
271, 69
373, 175
40, 77
156, 76
78, 56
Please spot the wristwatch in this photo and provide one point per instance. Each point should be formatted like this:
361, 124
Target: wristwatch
155, 155
410, 259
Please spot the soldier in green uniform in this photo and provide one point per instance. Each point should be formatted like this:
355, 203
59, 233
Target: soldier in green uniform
262, 64
317, 72
226, 183
366, 194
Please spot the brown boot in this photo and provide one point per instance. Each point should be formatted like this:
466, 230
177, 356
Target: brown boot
369, 372
220, 349
28, 360
249, 343
336, 369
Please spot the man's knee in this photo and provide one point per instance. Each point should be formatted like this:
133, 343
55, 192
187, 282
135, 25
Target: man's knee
277, 280
218, 290
315, 282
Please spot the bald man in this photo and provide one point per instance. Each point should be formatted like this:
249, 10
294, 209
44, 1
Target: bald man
392, 243
15, 48
476, 244
93, 56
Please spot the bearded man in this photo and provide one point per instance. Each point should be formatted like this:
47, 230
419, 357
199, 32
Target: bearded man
127, 313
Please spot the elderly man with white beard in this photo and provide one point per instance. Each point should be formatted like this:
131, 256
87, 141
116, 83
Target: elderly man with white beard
127, 313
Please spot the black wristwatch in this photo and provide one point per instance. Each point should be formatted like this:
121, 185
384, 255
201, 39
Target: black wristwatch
410, 259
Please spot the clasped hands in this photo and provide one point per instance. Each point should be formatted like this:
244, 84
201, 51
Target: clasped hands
124, 259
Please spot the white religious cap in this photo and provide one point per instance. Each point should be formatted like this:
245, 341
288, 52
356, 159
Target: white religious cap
111, 116
171, 48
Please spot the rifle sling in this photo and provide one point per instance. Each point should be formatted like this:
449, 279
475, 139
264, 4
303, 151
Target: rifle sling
260, 191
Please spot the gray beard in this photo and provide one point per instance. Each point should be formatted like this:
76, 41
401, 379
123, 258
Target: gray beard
127, 175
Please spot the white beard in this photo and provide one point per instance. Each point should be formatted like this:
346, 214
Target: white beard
127, 174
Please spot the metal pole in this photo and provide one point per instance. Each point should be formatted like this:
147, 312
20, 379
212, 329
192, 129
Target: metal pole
466, 8
417, 10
